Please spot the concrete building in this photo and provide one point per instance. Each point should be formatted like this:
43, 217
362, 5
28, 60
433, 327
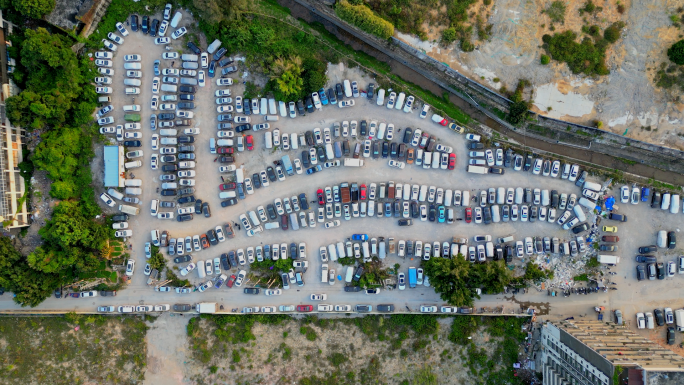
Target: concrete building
587, 352
12, 184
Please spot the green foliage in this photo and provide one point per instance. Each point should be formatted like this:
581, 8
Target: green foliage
676, 52
236, 356
215, 11
407, 17
346, 261
581, 277
462, 328
449, 36
449, 277
585, 57
157, 261
309, 332
364, 18
589, 7
612, 33
556, 11
238, 328
425, 376
337, 359
33, 8
518, 110
592, 263
545, 59
535, 274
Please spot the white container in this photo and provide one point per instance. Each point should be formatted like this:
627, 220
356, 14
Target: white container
189, 57
465, 201
133, 191
227, 194
448, 197
200, 269
132, 66
283, 109
350, 274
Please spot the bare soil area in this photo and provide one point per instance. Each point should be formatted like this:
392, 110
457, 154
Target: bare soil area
626, 101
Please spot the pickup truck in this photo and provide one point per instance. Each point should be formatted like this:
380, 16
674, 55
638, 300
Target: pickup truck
344, 192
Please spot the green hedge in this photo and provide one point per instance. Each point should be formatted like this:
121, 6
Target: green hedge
362, 17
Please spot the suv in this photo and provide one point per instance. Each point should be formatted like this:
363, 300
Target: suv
364, 308
386, 308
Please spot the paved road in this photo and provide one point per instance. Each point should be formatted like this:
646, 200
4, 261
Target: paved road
631, 297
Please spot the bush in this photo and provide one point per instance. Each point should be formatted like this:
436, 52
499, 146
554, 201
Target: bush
556, 11
676, 52
545, 59
449, 36
585, 57
337, 359
362, 17
612, 33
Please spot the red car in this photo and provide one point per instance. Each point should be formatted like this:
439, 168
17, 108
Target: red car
468, 214
283, 222
231, 281
204, 241
304, 308
226, 150
321, 197
227, 186
249, 140
452, 161
363, 192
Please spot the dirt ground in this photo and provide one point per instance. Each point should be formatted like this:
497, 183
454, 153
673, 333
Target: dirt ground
626, 100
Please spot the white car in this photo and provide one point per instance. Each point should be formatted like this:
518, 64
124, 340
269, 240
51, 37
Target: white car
201, 79
155, 85
162, 40
624, 194
179, 32
132, 135
104, 55
115, 38
343, 308
170, 72
132, 58
130, 267
154, 161
409, 104
273, 292
103, 63
229, 108
163, 27
394, 163
319, 297
187, 269
107, 130
424, 111
428, 309
346, 103
391, 100
122, 30
204, 59
154, 103
109, 45
107, 199
170, 55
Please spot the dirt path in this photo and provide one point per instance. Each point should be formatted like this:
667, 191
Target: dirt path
166, 350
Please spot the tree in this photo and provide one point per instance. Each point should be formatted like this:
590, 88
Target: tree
34, 8
364, 18
676, 52
449, 277
491, 277
30, 286
449, 36
286, 75
216, 11
612, 33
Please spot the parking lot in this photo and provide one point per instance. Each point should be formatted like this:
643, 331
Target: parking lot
631, 296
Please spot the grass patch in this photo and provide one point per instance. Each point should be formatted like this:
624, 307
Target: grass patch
581, 277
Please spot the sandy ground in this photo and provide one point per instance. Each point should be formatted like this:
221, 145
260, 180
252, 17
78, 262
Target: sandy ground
167, 350
626, 100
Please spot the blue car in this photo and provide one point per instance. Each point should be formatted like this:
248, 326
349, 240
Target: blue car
645, 193
359, 237
388, 209
212, 69
441, 217
314, 170
324, 99
331, 96
156, 68
247, 110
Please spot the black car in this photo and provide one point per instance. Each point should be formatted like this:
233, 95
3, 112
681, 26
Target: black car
132, 143
108, 293
229, 202
401, 153
241, 190
386, 308
393, 150
212, 69
182, 307
371, 91
508, 158
309, 104
617, 217
408, 134
363, 128
405, 222
186, 105
509, 253
194, 48
352, 289
321, 155
145, 24
271, 174
496, 170
184, 217
169, 168
528, 162
186, 139
641, 272
229, 70
475, 146
256, 180
293, 251
331, 96
554, 199
659, 317
270, 209
120, 217
58, 293
205, 210
154, 27
385, 149
670, 335
303, 203
186, 191
134, 23
646, 259
187, 199
300, 108
243, 127
219, 54
187, 97
608, 248
661, 270
187, 89
432, 215
580, 228
169, 192
251, 290
182, 259
655, 201
671, 240
534, 213
211, 236
648, 249
225, 265
415, 210
232, 259
339, 90
487, 216
225, 62
167, 116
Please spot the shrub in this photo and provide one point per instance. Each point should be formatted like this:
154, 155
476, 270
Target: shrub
612, 33
676, 52
449, 36
545, 59
337, 359
362, 17
585, 57
556, 11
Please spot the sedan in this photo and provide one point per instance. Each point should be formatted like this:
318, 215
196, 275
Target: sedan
319, 297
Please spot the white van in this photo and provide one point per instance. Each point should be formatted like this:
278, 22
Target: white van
189, 81
593, 186
132, 82
131, 108
465, 200
332, 252
448, 197
340, 250
272, 106
662, 239
115, 194
132, 90
168, 132
665, 204
225, 142
400, 101
214, 46
435, 160
239, 175
423, 193
168, 141
545, 197
591, 205
132, 66
176, 19
674, 204
133, 164
427, 159
579, 213
169, 88
294, 222
227, 194
293, 141
271, 225
133, 191
268, 139
271, 118
496, 216
263, 106
133, 182
254, 218
169, 185
500, 196
189, 57
283, 109
200, 269
366, 251
350, 274
381, 97
329, 153
324, 273
347, 88
212, 145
